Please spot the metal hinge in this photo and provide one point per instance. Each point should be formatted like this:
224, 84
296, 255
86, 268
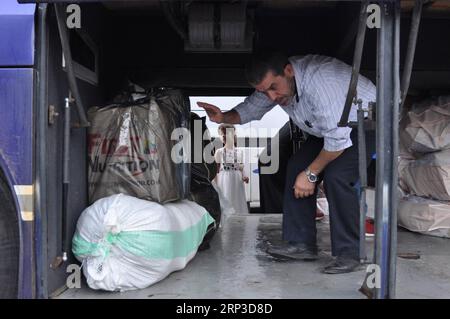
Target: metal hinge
52, 114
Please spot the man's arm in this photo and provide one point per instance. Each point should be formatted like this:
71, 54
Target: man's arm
303, 187
231, 117
322, 160
252, 108
336, 140
217, 116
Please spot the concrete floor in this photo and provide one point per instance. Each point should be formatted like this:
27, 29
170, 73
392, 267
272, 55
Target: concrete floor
236, 266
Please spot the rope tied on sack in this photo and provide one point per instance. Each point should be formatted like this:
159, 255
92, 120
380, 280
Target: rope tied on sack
102, 250
104, 246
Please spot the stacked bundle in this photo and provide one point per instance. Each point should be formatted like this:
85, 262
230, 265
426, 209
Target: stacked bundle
424, 169
141, 226
130, 148
126, 243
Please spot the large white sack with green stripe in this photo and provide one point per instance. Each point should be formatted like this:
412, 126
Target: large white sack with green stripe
126, 243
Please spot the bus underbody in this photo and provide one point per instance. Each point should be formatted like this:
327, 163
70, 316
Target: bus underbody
143, 43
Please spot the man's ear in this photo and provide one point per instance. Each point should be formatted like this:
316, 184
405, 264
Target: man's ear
289, 70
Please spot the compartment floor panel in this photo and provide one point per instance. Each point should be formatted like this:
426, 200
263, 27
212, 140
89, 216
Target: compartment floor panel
237, 266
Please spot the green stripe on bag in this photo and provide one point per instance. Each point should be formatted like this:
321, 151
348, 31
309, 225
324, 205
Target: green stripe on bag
147, 244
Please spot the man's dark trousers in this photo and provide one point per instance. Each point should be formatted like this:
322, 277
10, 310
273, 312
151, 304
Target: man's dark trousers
339, 177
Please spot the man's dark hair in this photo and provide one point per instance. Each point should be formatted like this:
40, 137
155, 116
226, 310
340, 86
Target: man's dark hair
263, 62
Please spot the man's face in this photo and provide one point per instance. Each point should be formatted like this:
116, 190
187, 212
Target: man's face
279, 88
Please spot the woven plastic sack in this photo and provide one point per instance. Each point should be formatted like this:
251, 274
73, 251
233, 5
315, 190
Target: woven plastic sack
125, 243
427, 131
130, 148
425, 216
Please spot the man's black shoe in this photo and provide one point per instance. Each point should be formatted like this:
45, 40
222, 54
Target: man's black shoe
293, 251
342, 265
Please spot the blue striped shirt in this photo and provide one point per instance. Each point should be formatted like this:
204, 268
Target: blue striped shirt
322, 85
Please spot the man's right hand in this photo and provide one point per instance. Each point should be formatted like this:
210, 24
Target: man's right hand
214, 113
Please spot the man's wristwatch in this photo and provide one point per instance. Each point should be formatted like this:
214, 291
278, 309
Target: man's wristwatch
312, 178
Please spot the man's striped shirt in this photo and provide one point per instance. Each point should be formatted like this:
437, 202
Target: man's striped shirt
322, 85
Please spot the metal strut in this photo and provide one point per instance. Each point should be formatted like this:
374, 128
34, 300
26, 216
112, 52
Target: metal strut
388, 98
412, 40
356, 65
60, 14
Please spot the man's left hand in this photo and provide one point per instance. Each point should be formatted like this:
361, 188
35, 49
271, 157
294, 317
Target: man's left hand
303, 187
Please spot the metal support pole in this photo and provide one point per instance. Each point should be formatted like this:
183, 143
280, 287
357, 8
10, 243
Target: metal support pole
66, 178
388, 98
343, 122
60, 18
363, 183
412, 40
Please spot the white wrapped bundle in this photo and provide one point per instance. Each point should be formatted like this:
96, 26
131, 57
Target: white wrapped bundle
127, 243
